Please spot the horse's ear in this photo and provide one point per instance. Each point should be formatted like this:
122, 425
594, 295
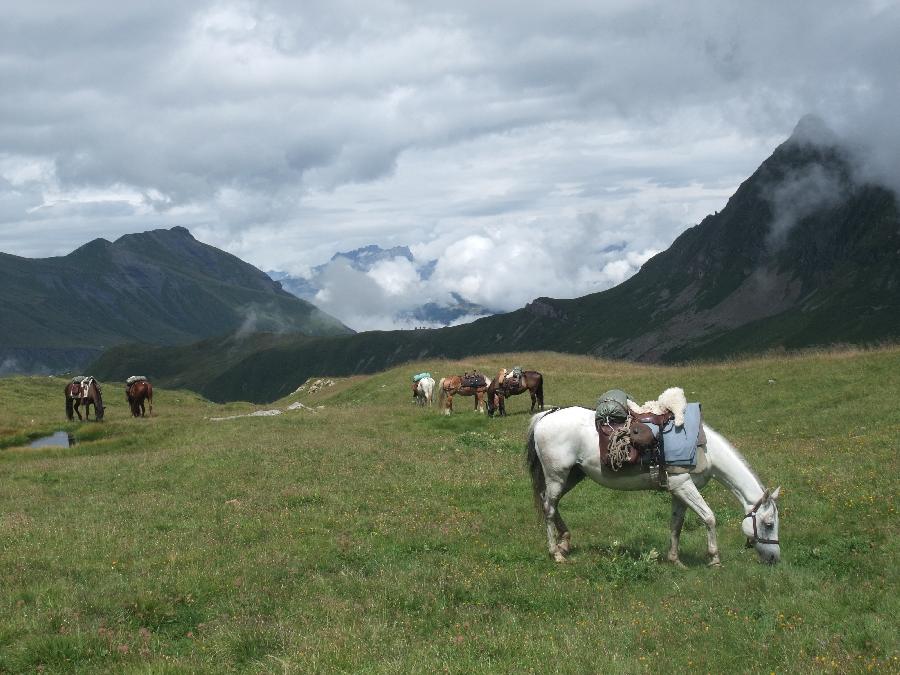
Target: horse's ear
775, 494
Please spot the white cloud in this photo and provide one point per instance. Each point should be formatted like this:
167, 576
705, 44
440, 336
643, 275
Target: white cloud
533, 134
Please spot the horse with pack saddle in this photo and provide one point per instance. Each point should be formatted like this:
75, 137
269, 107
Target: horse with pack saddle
469, 384
138, 390
83, 390
661, 445
422, 388
512, 383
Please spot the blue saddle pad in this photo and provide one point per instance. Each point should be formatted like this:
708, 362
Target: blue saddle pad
680, 443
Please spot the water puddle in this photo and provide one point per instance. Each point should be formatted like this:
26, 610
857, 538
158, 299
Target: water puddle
60, 439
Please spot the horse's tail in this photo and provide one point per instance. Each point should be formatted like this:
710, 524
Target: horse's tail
534, 466
150, 398
539, 390
70, 405
442, 394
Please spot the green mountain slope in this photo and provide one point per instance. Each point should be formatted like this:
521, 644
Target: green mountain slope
804, 254
161, 287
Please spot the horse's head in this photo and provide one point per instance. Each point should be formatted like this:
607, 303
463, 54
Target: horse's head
98, 400
761, 527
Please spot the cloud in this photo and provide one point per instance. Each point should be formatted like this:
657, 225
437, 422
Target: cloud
500, 269
799, 195
284, 132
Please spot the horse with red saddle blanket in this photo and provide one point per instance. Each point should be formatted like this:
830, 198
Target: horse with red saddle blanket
83, 391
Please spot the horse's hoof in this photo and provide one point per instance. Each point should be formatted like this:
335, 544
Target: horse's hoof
677, 563
714, 563
559, 557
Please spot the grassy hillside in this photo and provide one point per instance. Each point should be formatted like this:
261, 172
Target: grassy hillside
373, 536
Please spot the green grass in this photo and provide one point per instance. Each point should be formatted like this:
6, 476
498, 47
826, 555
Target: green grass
373, 536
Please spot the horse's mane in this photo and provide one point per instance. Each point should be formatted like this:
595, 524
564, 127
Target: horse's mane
736, 452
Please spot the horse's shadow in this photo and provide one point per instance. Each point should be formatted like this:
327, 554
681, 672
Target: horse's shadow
632, 552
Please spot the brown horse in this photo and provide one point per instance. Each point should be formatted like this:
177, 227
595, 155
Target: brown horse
454, 384
504, 385
84, 392
136, 393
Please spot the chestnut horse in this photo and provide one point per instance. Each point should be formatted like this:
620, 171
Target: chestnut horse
448, 386
136, 393
85, 392
504, 385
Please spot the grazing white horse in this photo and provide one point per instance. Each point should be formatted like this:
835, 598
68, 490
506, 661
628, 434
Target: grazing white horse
562, 449
423, 390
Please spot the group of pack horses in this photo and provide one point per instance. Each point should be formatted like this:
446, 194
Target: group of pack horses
490, 394
561, 450
84, 392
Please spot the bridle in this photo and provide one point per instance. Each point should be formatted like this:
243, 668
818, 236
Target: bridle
755, 539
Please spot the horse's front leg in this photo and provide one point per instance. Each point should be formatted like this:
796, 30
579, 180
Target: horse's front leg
78, 412
679, 508
682, 487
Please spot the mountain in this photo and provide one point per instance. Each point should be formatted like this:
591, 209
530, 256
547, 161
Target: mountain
158, 287
805, 253
364, 260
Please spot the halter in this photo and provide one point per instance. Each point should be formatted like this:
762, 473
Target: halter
752, 516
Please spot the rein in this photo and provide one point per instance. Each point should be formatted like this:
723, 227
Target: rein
752, 516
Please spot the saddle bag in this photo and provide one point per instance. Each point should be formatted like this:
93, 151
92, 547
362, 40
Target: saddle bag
474, 381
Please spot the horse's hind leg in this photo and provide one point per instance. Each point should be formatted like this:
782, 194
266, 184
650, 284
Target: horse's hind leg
679, 508
682, 487
559, 539
576, 474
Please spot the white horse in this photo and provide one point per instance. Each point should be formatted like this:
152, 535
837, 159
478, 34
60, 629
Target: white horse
562, 449
423, 390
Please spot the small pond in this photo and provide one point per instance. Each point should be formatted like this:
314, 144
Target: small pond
60, 439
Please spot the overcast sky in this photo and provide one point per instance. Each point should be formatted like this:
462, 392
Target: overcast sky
561, 143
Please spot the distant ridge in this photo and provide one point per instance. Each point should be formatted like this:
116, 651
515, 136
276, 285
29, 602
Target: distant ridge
803, 254
161, 287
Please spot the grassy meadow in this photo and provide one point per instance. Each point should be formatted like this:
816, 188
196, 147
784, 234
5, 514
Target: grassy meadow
374, 536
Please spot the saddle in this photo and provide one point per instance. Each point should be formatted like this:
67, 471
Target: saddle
510, 383
474, 381
84, 382
642, 444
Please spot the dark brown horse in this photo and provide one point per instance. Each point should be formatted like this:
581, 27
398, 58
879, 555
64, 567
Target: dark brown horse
505, 385
85, 392
455, 384
136, 393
